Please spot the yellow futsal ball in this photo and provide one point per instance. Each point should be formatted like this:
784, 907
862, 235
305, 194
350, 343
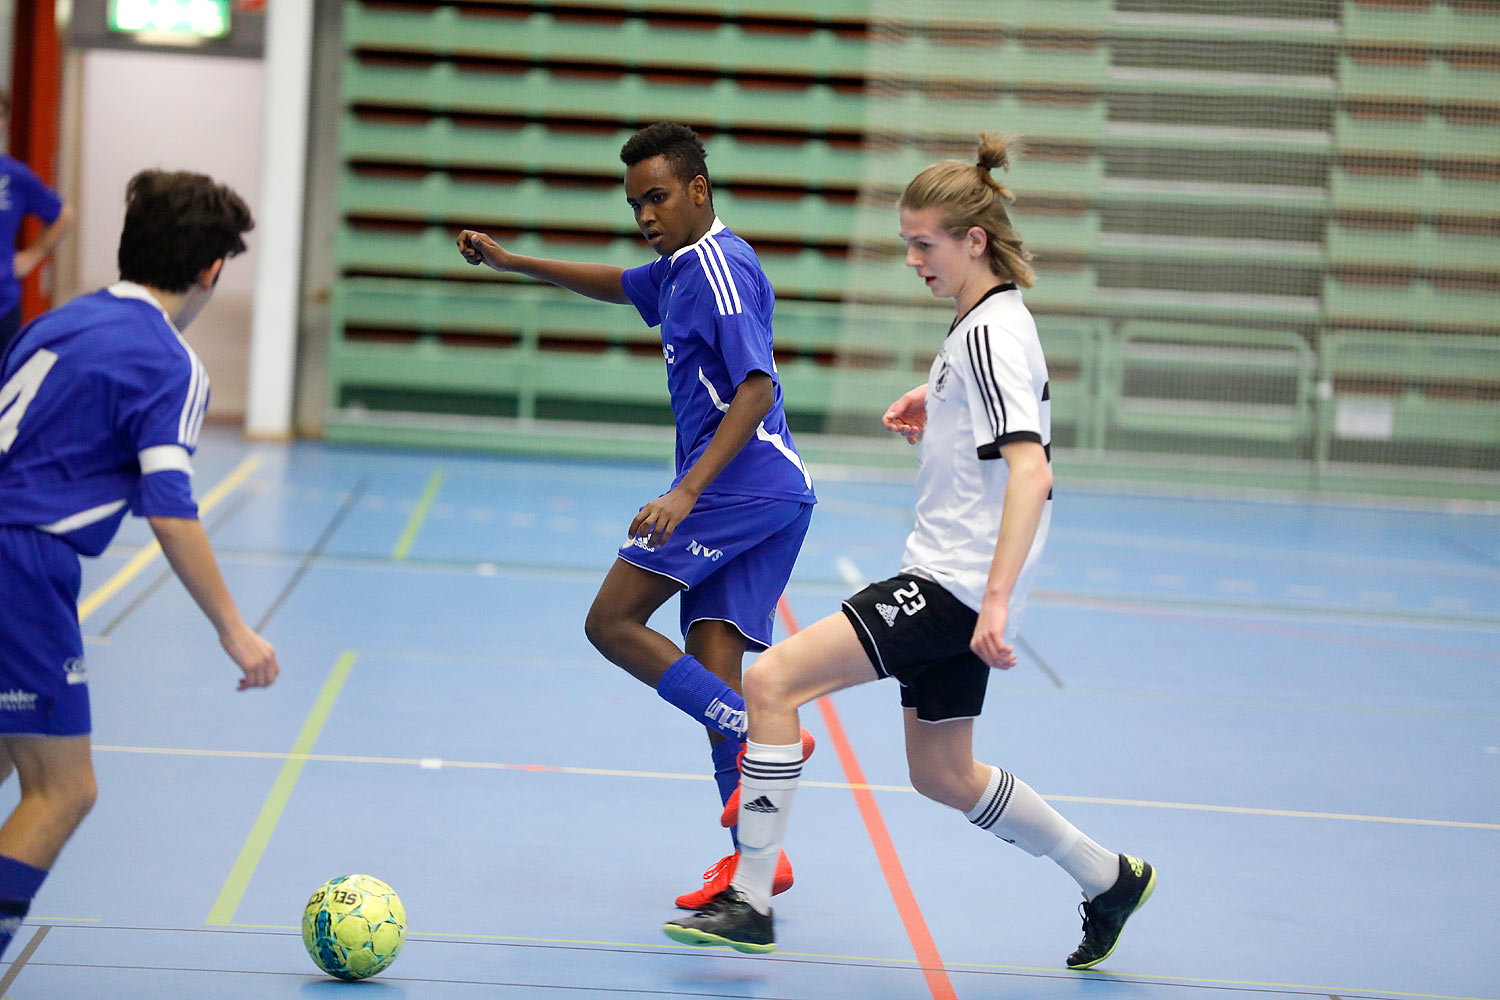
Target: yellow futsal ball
353, 926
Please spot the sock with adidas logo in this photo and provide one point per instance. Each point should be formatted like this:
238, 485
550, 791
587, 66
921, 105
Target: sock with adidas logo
1014, 812
19, 882
692, 687
768, 782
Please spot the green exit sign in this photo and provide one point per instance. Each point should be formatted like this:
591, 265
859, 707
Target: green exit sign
178, 19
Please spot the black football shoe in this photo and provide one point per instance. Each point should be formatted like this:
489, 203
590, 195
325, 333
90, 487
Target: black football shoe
726, 920
1104, 916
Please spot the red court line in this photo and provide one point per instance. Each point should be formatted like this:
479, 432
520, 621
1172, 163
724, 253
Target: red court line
885, 851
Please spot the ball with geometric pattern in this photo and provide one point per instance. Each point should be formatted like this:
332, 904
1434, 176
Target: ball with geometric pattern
353, 926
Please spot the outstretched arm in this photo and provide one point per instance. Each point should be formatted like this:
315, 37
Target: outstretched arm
597, 281
1026, 492
185, 544
753, 399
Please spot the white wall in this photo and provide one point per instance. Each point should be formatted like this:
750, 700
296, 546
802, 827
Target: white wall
176, 112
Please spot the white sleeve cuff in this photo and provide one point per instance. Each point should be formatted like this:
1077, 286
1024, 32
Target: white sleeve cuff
165, 458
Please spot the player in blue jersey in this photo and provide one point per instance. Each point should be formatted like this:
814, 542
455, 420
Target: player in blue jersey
100, 405
726, 534
22, 193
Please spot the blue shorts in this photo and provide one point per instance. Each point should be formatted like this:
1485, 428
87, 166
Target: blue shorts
44, 687
733, 556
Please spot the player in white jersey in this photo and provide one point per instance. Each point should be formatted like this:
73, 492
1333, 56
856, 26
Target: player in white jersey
984, 488
100, 405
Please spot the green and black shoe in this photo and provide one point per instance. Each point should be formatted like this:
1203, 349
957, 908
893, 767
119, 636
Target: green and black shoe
726, 920
1104, 916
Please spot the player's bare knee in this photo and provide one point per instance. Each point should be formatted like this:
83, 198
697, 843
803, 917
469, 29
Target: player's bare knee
599, 627
766, 687
77, 797
936, 783
65, 803
81, 802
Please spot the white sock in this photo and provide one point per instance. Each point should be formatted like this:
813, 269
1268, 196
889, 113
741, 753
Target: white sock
1092, 867
1014, 812
768, 782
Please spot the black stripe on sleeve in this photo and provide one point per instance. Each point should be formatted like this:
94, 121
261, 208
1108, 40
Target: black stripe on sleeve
992, 450
986, 353
984, 378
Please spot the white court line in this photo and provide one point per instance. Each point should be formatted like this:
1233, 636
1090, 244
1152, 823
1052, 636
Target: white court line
434, 763
849, 572
1341, 560
1213, 607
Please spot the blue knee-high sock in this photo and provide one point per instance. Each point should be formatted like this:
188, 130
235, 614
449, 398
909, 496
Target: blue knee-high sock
19, 883
726, 757
706, 699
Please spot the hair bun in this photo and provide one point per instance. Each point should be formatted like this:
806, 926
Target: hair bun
995, 149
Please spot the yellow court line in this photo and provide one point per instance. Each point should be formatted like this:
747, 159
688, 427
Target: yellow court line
418, 515
143, 557
433, 763
978, 967
238, 881
61, 920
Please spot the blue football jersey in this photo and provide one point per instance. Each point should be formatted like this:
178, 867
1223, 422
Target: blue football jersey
101, 401
713, 304
22, 193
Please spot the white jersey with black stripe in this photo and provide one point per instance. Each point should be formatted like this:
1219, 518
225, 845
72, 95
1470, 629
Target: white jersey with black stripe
987, 388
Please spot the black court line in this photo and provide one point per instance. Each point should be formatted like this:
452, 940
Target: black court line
334, 983
21, 959
1031, 652
312, 554
666, 951
715, 953
220, 519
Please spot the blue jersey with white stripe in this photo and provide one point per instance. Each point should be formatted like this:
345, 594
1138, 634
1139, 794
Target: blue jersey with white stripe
714, 303
22, 193
101, 401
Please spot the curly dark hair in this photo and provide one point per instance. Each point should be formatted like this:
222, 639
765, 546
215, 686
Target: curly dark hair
678, 143
176, 225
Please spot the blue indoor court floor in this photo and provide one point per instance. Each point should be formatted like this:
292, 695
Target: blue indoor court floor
1291, 709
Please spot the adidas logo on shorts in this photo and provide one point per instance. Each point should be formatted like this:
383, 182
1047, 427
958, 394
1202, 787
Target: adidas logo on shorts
888, 612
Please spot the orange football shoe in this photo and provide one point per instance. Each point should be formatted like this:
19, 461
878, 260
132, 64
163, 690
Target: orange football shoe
721, 872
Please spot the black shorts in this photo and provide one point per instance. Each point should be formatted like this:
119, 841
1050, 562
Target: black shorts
915, 631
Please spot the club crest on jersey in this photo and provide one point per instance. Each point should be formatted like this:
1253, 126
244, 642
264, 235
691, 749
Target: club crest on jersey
669, 352
941, 382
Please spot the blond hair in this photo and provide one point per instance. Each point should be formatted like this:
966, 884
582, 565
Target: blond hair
967, 196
